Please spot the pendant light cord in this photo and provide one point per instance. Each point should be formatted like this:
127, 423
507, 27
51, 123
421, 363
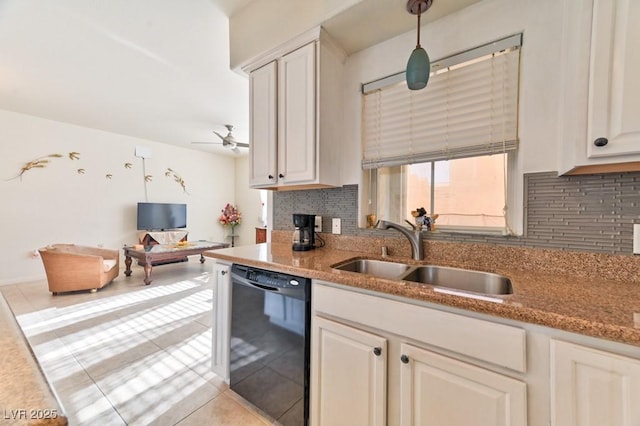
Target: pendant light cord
419, 13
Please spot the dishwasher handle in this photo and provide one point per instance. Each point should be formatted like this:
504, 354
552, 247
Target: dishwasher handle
297, 293
264, 287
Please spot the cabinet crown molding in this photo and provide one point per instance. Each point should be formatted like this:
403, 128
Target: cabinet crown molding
314, 34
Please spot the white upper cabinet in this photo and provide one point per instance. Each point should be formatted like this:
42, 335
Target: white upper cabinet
295, 107
602, 93
614, 88
263, 126
296, 116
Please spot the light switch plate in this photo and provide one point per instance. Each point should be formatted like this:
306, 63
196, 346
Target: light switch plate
336, 226
318, 224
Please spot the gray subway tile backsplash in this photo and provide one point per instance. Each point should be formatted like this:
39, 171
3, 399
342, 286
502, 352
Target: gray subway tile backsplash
592, 213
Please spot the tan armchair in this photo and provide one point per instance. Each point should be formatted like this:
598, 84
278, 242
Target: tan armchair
70, 267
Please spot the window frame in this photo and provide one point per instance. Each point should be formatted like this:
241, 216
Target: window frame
514, 181
479, 230
446, 120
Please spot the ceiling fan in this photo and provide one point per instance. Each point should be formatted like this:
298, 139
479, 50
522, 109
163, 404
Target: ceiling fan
228, 141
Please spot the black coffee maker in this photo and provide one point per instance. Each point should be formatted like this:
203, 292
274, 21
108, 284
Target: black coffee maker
304, 235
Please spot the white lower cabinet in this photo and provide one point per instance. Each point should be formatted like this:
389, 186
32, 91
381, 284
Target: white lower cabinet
377, 360
221, 312
349, 373
590, 387
438, 390
373, 362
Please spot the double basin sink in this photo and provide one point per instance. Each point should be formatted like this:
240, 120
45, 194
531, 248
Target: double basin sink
438, 276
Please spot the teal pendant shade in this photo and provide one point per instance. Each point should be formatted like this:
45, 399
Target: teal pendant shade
418, 69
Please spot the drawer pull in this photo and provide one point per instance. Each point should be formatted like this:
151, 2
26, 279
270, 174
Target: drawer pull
404, 359
601, 142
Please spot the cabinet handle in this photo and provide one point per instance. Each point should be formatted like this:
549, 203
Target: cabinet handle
270, 177
601, 142
377, 351
223, 272
280, 175
404, 359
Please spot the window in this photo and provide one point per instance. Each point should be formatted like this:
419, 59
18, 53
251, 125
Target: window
445, 148
467, 193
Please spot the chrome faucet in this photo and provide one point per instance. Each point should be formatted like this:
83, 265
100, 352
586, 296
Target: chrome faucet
414, 237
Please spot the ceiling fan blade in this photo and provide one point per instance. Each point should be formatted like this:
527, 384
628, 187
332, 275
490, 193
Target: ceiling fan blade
230, 138
208, 143
237, 142
229, 141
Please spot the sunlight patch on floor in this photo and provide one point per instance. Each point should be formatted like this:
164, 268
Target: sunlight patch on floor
168, 381
59, 317
130, 354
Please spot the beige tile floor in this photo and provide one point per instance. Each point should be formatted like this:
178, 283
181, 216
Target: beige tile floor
132, 354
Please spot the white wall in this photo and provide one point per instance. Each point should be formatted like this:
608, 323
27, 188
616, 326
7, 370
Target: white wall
541, 84
484, 22
264, 24
541, 90
249, 204
55, 204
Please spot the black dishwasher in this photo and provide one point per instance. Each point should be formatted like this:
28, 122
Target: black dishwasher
269, 356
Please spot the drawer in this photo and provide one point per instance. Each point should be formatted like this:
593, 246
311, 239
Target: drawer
499, 344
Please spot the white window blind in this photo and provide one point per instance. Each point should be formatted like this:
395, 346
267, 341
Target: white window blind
469, 108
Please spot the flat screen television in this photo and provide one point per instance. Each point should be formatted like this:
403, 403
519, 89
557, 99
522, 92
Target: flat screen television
161, 216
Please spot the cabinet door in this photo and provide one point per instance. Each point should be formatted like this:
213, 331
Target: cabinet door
348, 375
614, 88
297, 116
263, 126
220, 333
436, 390
593, 388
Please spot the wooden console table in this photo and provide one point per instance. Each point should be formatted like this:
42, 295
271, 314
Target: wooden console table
149, 255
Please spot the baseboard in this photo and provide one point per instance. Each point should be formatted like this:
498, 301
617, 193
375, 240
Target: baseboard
12, 281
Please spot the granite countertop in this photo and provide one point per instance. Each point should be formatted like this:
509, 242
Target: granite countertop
594, 306
25, 396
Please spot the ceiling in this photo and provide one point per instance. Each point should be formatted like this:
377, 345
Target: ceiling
157, 70
370, 22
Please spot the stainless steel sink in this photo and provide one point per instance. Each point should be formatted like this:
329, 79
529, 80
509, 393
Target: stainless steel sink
460, 279
378, 268
438, 276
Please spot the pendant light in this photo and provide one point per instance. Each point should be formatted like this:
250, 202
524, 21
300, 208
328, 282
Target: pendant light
419, 65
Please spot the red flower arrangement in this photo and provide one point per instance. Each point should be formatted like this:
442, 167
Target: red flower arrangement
230, 216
